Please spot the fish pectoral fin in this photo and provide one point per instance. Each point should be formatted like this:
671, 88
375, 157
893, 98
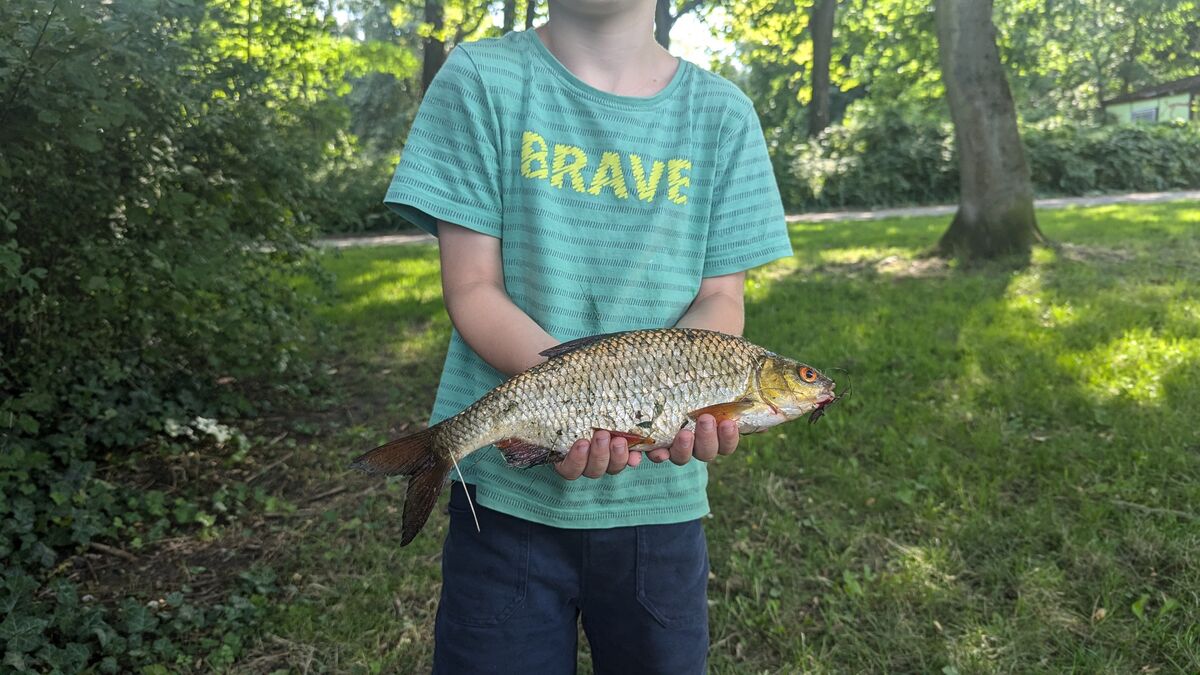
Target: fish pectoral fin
634, 439
724, 411
521, 454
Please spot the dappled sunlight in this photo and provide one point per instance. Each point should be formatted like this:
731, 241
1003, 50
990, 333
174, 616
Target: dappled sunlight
1027, 300
1127, 225
946, 514
975, 649
1131, 367
921, 571
860, 254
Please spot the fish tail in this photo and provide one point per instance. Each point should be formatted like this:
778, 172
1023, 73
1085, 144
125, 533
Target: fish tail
413, 456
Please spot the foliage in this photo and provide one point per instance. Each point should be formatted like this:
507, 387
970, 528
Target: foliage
1062, 58
890, 156
1078, 159
1066, 57
54, 629
894, 156
163, 163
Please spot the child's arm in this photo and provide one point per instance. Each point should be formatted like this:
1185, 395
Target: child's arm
507, 338
488, 320
718, 305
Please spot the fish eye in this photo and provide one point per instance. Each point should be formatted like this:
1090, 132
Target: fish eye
807, 374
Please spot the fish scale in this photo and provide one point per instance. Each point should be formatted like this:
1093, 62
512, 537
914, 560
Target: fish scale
644, 385
604, 386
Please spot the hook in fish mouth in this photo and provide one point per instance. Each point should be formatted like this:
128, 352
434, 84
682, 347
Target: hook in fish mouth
827, 399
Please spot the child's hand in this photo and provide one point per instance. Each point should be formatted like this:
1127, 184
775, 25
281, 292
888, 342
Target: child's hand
604, 454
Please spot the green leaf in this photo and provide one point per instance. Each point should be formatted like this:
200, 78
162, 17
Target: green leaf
1139, 606
138, 619
28, 424
1169, 604
22, 634
88, 141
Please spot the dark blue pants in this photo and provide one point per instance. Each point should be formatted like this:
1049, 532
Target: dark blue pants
512, 595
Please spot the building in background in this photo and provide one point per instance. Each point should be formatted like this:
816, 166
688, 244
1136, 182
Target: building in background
1161, 103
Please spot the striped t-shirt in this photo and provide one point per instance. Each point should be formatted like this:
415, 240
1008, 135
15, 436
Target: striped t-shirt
610, 210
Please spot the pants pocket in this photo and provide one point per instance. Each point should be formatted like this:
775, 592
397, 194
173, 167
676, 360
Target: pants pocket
672, 573
485, 573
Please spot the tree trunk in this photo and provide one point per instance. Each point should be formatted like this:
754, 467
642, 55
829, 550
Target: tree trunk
995, 210
434, 49
663, 21
510, 15
530, 13
821, 27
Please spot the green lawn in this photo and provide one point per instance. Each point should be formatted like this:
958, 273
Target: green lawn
1014, 485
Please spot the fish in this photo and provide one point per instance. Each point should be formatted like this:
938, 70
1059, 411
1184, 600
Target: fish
643, 385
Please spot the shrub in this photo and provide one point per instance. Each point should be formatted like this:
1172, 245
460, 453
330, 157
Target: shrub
896, 157
882, 158
156, 195
1079, 159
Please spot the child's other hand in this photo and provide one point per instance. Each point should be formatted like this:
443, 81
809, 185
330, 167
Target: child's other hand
709, 440
605, 454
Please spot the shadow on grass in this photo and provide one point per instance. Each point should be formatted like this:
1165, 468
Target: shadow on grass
1006, 483
1009, 489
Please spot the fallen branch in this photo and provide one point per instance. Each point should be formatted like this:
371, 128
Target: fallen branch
1152, 509
270, 466
112, 550
326, 494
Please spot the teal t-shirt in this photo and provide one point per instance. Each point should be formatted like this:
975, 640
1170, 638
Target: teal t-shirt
610, 211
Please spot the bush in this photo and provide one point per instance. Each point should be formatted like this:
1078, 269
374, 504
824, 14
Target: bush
156, 197
1080, 159
895, 157
882, 158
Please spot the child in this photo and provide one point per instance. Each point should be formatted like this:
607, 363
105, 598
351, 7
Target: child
581, 181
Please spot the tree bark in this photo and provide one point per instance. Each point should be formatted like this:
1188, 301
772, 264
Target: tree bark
995, 210
663, 21
821, 27
433, 48
530, 13
510, 15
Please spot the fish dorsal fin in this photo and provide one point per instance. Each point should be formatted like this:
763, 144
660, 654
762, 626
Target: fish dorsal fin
579, 343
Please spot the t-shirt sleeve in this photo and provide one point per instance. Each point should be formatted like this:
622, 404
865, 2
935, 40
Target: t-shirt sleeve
450, 168
746, 226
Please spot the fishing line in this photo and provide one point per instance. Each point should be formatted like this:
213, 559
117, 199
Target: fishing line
466, 492
849, 383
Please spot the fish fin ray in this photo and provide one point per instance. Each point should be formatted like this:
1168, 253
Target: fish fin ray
634, 439
521, 454
423, 489
724, 411
572, 345
412, 456
403, 456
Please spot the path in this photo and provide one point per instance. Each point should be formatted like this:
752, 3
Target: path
829, 216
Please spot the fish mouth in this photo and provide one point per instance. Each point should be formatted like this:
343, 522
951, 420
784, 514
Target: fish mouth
823, 401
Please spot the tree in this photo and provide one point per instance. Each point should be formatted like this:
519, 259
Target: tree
995, 211
434, 47
510, 16
664, 19
821, 27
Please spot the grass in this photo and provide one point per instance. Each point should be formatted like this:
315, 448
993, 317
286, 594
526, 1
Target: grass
1014, 485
